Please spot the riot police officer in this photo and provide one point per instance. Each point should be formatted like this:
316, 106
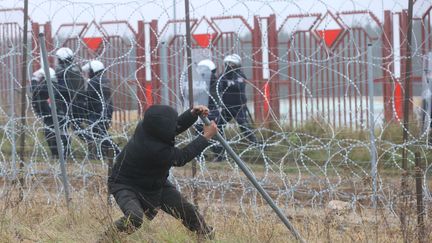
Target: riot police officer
72, 100
232, 87
42, 108
100, 106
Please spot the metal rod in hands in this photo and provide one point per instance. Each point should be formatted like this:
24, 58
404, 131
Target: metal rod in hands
252, 178
55, 118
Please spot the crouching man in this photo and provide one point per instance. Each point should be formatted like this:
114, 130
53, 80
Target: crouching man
139, 181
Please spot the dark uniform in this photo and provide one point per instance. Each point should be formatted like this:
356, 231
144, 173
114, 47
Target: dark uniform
232, 88
71, 99
42, 109
100, 110
139, 181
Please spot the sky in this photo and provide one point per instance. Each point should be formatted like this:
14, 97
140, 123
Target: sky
68, 11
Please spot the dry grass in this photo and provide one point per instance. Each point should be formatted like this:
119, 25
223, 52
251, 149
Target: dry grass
39, 221
43, 218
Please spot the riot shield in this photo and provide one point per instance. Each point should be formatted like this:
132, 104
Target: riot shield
201, 84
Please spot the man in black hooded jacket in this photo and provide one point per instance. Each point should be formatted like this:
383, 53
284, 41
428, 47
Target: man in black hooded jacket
139, 181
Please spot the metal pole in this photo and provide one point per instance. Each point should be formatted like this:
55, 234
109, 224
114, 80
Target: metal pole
175, 16
164, 73
189, 54
12, 116
110, 167
404, 180
55, 118
252, 179
190, 84
419, 172
372, 126
23, 95
407, 83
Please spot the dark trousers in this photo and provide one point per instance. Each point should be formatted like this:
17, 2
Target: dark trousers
71, 115
136, 205
239, 113
50, 135
49, 132
99, 135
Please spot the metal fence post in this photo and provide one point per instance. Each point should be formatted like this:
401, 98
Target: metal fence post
257, 70
164, 73
372, 125
155, 62
421, 234
12, 116
273, 65
387, 55
141, 69
55, 118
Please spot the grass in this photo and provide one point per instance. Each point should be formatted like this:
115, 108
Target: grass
42, 222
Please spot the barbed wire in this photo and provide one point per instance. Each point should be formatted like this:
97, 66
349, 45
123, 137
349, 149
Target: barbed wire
306, 89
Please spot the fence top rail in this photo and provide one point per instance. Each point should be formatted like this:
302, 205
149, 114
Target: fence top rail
231, 17
117, 22
373, 16
98, 27
319, 17
14, 10
84, 26
427, 12
319, 39
175, 21
296, 16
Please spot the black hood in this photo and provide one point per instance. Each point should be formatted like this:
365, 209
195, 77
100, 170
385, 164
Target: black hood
160, 121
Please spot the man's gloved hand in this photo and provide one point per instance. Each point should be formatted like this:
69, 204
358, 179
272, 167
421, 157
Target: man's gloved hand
200, 110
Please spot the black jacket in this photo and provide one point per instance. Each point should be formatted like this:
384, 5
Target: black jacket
233, 88
71, 87
99, 101
40, 98
69, 76
145, 161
